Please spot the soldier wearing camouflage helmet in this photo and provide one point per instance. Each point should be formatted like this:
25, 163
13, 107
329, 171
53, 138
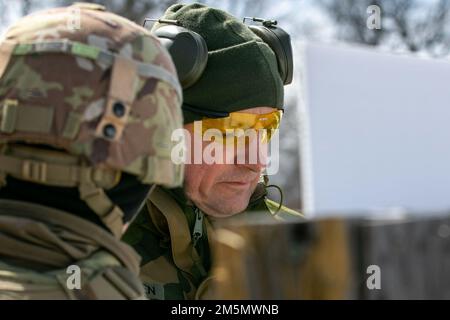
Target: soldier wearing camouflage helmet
86, 116
240, 83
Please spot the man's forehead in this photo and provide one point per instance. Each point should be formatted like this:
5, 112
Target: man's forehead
258, 110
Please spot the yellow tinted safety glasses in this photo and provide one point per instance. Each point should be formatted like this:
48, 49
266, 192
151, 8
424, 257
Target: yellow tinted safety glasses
264, 124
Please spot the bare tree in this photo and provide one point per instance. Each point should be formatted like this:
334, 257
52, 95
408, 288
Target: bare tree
350, 19
135, 10
240, 9
409, 24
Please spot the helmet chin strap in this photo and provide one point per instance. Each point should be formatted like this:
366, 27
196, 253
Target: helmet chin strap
109, 213
55, 168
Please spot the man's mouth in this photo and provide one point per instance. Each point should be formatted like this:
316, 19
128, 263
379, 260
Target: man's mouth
243, 181
239, 183
237, 186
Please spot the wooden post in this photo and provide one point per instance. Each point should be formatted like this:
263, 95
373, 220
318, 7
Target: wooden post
333, 259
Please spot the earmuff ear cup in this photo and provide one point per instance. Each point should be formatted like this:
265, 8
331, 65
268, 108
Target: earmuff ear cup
188, 50
280, 42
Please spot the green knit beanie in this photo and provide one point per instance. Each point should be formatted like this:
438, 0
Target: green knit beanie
241, 71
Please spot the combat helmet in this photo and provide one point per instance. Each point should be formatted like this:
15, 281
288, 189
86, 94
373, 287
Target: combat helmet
86, 95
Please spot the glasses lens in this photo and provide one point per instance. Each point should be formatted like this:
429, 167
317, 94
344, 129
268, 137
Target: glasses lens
238, 124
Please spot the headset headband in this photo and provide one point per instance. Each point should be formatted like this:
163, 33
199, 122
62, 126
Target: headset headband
190, 53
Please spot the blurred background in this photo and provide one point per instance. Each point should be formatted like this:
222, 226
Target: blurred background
419, 27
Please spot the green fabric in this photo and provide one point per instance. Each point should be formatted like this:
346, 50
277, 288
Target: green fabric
241, 71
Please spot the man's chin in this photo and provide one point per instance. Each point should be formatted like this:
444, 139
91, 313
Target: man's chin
224, 211
222, 215
232, 200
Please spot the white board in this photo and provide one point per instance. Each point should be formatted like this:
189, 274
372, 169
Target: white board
375, 130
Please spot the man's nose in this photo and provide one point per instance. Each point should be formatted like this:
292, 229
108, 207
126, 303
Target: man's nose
255, 154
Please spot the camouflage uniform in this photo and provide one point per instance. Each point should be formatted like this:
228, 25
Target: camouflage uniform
80, 108
173, 238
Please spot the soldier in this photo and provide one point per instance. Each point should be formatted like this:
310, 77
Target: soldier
240, 84
88, 102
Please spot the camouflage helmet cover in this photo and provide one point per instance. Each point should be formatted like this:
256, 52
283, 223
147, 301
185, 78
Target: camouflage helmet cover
94, 84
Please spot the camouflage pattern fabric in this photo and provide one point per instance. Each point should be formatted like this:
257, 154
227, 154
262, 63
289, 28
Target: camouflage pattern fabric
172, 267
80, 104
64, 98
38, 245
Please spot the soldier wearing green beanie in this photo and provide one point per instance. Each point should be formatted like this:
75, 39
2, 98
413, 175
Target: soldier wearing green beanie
173, 231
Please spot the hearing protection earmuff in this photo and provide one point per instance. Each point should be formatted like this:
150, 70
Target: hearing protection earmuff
280, 43
187, 48
190, 53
